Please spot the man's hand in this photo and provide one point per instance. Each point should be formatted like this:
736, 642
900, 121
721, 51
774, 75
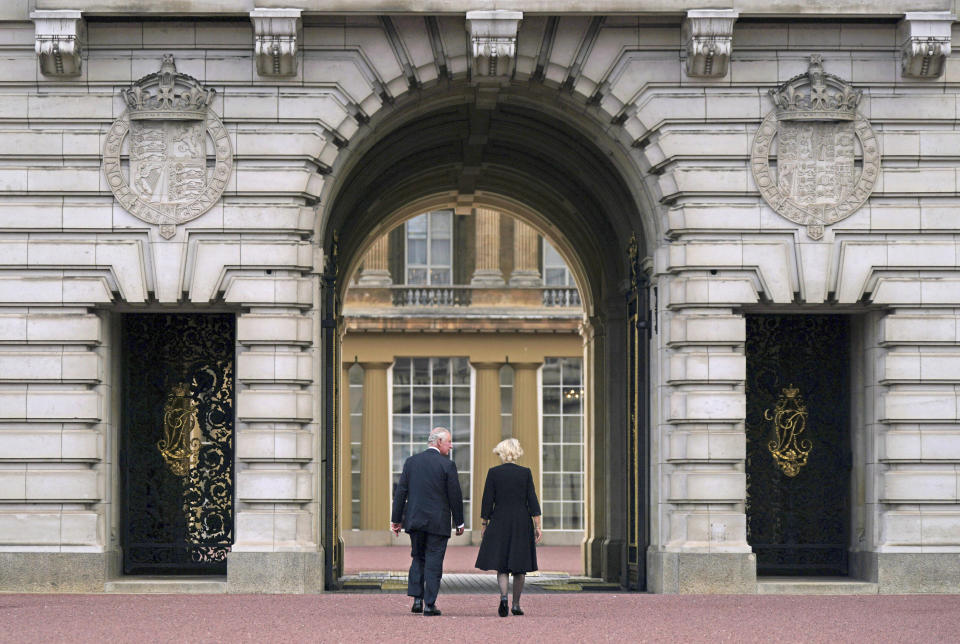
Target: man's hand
459, 531
395, 528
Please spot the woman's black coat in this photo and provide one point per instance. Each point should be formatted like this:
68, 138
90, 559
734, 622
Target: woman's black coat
509, 500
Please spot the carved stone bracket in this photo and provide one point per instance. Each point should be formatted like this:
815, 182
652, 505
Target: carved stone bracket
59, 41
493, 41
275, 40
924, 38
708, 37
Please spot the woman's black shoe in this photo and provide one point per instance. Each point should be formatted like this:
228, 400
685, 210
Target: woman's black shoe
502, 609
516, 610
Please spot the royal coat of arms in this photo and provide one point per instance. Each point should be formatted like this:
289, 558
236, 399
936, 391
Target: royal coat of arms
155, 155
827, 158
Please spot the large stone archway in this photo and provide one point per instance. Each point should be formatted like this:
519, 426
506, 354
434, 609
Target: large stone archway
526, 154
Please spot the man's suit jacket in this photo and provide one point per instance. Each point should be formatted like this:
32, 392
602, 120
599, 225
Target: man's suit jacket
427, 494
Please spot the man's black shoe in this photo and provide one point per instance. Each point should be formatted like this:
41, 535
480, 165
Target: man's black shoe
430, 611
417, 605
516, 610
502, 608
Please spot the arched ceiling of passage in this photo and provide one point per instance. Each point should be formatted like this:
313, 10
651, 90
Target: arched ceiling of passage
509, 154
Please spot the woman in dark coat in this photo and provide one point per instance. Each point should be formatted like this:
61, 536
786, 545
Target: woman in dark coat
509, 535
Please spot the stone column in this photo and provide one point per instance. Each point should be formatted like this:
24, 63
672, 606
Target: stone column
526, 416
344, 465
376, 270
486, 432
487, 272
375, 449
526, 267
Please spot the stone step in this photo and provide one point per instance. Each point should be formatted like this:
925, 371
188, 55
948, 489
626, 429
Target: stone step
170, 585
815, 586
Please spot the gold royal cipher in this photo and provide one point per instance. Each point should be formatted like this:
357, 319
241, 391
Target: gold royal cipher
789, 416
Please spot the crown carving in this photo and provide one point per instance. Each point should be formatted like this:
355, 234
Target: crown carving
168, 95
791, 391
816, 96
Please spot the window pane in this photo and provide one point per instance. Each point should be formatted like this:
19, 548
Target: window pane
573, 487
356, 374
401, 400
439, 252
571, 429
571, 458
441, 371
551, 372
416, 251
465, 486
571, 516
356, 399
551, 458
442, 421
401, 429
461, 430
571, 372
461, 458
417, 276
551, 487
551, 429
551, 516
441, 400
400, 454
506, 375
401, 371
461, 400
441, 223
439, 276
421, 431
421, 400
461, 371
355, 462
550, 255
467, 516
417, 225
506, 400
356, 428
551, 400
555, 277
571, 401
421, 371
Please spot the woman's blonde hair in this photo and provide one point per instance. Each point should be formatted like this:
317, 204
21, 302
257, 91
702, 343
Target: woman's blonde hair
508, 450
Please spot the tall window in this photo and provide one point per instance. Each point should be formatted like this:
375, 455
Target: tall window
355, 375
428, 393
430, 248
562, 466
555, 271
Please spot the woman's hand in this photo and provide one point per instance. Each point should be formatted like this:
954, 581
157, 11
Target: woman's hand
538, 533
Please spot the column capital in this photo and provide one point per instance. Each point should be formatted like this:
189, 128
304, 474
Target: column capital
487, 365
526, 365
376, 365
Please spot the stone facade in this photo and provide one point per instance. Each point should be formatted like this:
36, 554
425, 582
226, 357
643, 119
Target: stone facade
588, 123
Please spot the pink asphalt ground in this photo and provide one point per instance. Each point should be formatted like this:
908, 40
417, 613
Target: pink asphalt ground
458, 559
338, 617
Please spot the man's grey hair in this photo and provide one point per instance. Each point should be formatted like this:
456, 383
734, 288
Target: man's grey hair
436, 434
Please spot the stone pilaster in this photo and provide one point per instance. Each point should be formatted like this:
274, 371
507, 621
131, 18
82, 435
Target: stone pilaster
376, 270
375, 449
487, 272
526, 271
526, 416
486, 431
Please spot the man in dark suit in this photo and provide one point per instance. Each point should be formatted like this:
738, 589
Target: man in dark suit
427, 494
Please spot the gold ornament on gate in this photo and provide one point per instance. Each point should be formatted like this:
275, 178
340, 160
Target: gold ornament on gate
180, 445
789, 417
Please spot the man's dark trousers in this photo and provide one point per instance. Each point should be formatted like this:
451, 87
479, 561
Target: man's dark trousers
426, 567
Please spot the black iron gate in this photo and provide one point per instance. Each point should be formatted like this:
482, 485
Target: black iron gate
798, 451
176, 443
332, 542
638, 337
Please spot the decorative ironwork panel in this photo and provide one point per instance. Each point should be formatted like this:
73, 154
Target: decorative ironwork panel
798, 463
176, 443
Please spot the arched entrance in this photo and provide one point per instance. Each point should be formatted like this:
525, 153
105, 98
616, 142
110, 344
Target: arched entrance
543, 159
